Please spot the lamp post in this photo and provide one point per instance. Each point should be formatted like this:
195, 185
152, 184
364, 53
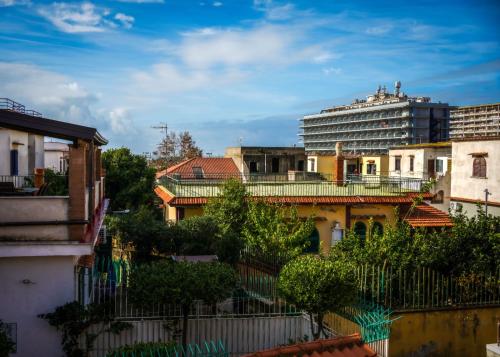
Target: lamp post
486, 194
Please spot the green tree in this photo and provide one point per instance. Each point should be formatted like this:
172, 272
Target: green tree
276, 229
182, 283
229, 211
176, 148
317, 285
129, 180
196, 236
147, 233
7, 346
74, 320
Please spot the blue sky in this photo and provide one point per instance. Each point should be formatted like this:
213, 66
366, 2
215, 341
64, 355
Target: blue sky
234, 70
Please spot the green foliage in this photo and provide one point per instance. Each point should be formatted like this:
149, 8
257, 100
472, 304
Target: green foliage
182, 283
471, 246
276, 229
197, 236
57, 184
143, 348
318, 285
7, 346
74, 320
145, 231
229, 211
129, 180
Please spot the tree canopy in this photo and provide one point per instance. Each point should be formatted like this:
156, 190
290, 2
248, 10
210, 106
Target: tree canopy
129, 180
229, 211
472, 245
181, 283
276, 229
317, 285
176, 148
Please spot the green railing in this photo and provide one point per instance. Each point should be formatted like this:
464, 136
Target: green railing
320, 187
206, 349
424, 288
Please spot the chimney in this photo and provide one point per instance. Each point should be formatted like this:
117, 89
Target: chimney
338, 164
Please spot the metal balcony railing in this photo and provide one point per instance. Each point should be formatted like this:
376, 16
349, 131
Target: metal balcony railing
9, 104
316, 185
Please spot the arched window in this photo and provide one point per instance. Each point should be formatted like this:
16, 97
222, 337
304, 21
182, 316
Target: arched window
360, 230
479, 167
377, 228
313, 242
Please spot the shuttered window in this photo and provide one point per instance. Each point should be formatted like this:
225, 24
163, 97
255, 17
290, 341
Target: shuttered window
479, 167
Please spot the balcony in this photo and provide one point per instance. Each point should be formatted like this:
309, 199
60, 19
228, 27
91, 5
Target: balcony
309, 186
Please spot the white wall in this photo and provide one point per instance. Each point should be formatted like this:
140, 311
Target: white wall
463, 185
52, 285
25, 143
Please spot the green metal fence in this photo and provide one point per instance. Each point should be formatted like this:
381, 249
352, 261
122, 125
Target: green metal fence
206, 349
424, 288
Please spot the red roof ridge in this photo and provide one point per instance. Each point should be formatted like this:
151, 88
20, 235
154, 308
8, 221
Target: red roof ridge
351, 345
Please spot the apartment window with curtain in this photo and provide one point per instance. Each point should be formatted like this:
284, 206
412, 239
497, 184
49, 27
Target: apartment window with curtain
397, 163
479, 167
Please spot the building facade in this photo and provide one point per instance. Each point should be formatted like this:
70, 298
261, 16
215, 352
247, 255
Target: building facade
475, 120
374, 125
425, 162
475, 175
44, 237
267, 160
56, 156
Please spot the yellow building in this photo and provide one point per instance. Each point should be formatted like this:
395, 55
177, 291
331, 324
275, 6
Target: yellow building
336, 205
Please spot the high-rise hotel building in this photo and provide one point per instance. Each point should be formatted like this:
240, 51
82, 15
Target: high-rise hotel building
475, 120
374, 125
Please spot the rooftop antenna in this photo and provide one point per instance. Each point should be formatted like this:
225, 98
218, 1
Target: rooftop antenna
397, 87
163, 127
240, 140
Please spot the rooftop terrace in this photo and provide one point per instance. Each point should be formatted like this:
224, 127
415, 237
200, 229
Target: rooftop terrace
296, 186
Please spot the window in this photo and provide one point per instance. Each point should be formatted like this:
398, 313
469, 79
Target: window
377, 228
479, 167
313, 246
197, 172
412, 163
275, 165
439, 166
397, 163
360, 230
14, 163
180, 213
253, 167
300, 166
312, 165
371, 169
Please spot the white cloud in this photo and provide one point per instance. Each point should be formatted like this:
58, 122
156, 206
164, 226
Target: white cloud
143, 1
81, 18
50, 93
217, 4
274, 11
262, 45
332, 70
379, 30
120, 121
7, 3
125, 20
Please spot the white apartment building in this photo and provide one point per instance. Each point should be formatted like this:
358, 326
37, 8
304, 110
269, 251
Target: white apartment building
56, 156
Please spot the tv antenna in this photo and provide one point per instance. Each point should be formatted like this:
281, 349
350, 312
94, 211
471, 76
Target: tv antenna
163, 127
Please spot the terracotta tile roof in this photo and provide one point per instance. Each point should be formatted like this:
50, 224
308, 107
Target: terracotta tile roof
211, 166
351, 346
163, 194
427, 216
194, 201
